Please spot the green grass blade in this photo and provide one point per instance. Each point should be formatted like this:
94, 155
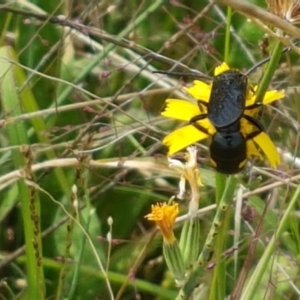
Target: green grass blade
194, 279
29, 104
17, 135
265, 260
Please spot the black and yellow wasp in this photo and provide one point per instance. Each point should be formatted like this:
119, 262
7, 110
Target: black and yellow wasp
227, 110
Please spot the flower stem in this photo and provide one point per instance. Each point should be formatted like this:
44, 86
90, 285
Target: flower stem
269, 72
227, 34
193, 280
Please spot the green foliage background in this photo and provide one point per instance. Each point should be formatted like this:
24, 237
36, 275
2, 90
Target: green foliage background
77, 85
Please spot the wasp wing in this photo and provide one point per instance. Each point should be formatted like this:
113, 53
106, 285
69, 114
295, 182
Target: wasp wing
228, 98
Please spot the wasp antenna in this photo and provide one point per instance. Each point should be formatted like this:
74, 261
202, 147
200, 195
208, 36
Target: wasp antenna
194, 75
264, 61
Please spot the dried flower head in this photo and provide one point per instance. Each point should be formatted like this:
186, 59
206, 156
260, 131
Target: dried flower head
190, 173
286, 9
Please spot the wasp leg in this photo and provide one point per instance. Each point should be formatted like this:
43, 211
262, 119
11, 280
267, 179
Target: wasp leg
257, 124
253, 134
255, 105
254, 122
202, 102
198, 118
193, 121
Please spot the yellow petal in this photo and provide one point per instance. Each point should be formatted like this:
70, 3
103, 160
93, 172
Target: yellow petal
246, 126
180, 109
205, 123
268, 148
200, 90
252, 150
252, 112
269, 97
272, 96
220, 69
251, 98
182, 138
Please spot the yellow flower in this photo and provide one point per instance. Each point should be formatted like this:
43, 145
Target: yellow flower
184, 110
164, 216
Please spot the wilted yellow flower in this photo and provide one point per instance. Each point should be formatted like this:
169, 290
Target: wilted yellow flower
190, 173
164, 216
